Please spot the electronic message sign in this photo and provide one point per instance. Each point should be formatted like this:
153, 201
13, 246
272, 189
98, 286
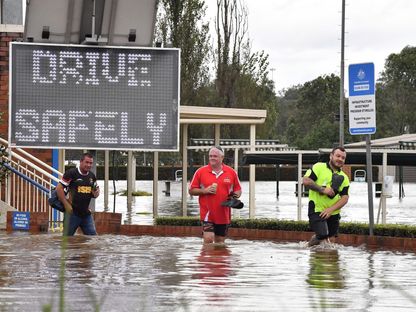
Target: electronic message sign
93, 97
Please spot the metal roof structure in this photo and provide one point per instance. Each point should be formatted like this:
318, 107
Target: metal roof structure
395, 157
398, 142
220, 115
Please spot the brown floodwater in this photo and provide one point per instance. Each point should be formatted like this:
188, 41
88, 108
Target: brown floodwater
126, 273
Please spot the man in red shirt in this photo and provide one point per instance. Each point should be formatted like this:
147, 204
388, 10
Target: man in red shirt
213, 184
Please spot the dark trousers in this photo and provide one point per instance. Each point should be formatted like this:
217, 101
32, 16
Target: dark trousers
72, 222
323, 228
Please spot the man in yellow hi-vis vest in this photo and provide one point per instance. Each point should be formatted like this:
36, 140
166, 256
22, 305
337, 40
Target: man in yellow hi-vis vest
328, 193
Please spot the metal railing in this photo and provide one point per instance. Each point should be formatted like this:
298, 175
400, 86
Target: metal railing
29, 182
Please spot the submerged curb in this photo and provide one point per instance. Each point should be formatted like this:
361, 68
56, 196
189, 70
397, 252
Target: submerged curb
371, 242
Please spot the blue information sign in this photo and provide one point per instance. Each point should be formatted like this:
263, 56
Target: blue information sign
21, 220
362, 110
361, 79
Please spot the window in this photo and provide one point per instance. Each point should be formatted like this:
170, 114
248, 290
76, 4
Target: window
11, 12
11, 15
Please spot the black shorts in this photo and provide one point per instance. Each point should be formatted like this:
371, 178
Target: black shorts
218, 229
323, 228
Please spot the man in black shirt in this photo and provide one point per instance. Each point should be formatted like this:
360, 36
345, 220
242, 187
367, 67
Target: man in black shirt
81, 184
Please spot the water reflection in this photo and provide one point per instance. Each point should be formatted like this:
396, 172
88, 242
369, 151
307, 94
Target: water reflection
80, 258
214, 264
325, 271
213, 271
157, 274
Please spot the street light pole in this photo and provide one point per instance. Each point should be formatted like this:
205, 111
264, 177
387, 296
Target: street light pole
272, 70
341, 87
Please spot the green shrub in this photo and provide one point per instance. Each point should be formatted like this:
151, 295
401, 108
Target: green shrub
394, 230
135, 193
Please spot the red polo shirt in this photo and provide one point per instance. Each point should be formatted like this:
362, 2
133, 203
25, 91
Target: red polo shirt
210, 204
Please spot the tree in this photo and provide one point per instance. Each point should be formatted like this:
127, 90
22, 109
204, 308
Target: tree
396, 92
241, 76
312, 108
231, 29
180, 24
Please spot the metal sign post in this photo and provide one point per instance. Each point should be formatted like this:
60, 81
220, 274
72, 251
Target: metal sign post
369, 168
362, 117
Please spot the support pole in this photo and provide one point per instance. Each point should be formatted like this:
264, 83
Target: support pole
341, 87
383, 194
155, 183
370, 184
300, 186
252, 175
184, 169
106, 178
217, 134
277, 180
129, 180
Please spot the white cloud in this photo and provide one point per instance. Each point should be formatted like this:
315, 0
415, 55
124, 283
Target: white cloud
302, 37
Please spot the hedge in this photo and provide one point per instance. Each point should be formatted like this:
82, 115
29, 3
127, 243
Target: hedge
393, 230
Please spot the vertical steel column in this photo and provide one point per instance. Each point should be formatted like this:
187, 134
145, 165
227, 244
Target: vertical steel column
155, 183
184, 169
370, 184
300, 186
252, 175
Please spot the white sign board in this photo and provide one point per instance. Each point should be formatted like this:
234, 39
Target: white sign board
362, 101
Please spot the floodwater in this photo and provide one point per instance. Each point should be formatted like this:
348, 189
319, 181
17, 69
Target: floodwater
401, 211
126, 273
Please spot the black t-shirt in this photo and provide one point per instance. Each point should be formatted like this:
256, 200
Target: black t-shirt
80, 188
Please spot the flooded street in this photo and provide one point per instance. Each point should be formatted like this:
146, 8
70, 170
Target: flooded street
267, 205
143, 273
121, 273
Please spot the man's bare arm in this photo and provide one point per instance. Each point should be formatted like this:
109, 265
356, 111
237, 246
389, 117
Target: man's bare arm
317, 188
203, 191
61, 195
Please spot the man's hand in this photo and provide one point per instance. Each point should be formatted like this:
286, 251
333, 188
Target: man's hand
328, 191
96, 192
212, 189
326, 213
68, 208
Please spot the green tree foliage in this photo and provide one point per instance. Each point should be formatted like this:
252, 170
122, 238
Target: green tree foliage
180, 24
241, 76
396, 93
308, 113
4, 172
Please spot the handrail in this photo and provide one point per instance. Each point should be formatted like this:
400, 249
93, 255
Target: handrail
5, 142
26, 178
17, 165
50, 176
28, 187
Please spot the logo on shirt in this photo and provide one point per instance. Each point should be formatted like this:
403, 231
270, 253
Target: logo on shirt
84, 189
227, 180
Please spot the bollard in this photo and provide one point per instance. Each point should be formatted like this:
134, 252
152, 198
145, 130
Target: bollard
167, 188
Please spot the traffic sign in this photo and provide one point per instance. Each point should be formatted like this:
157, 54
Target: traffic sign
362, 101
